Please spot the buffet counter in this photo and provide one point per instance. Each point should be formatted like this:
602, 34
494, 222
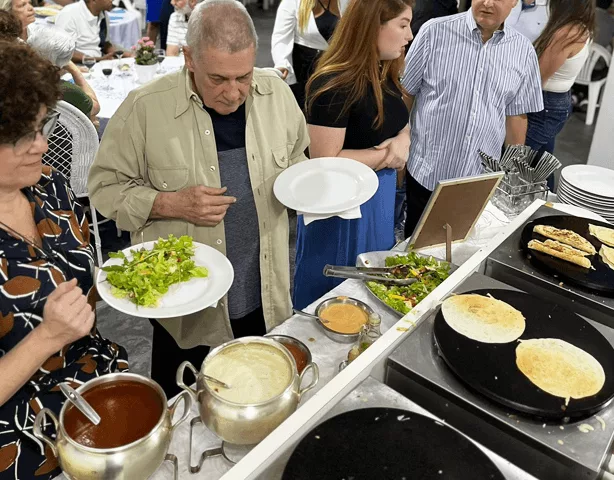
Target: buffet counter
363, 383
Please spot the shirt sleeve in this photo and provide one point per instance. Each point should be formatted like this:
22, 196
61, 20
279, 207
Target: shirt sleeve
328, 108
282, 40
67, 23
73, 94
116, 180
529, 97
174, 36
416, 61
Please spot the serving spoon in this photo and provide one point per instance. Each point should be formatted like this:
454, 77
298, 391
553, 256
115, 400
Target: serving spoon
309, 315
78, 401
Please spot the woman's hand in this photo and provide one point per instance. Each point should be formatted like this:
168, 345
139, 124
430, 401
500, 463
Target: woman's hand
398, 150
67, 316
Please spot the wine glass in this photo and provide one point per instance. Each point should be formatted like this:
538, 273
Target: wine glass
107, 71
89, 62
160, 55
118, 54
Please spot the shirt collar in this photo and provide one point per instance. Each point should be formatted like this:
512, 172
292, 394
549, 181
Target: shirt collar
473, 26
186, 93
89, 16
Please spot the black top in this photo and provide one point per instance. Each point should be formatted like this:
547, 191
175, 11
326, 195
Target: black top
229, 130
425, 10
326, 22
358, 120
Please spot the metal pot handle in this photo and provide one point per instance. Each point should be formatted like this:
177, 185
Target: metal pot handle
38, 432
179, 379
314, 381
187, 406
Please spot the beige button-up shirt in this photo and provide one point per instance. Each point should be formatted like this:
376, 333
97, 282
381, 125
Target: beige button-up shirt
161, 140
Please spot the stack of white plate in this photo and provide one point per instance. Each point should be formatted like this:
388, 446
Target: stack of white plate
588, 187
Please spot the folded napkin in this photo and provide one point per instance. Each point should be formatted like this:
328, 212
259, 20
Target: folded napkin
350, 214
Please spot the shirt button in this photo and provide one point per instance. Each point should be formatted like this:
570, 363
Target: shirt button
164, 185
207, 132
212, 167
219, 241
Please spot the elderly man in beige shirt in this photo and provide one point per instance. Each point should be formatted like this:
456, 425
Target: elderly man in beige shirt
196, 153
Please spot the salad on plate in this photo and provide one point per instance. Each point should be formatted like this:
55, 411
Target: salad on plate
146, 275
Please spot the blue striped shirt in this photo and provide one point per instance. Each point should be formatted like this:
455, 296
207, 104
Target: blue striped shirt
464, 90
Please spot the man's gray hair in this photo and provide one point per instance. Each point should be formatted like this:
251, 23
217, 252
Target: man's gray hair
221, 24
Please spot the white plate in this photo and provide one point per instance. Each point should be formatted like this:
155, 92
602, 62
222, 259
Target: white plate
563, 192
573, 191
183, 298
608, 216
591, 179
326, 185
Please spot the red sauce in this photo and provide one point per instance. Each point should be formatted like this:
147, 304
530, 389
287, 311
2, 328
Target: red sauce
128, 411
299, 356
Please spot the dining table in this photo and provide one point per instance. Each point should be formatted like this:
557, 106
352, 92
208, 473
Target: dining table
112, 91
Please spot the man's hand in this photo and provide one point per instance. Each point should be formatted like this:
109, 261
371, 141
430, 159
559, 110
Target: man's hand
398, 150
202, 206
284, 72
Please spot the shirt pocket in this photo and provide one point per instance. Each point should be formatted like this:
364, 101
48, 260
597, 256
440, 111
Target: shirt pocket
168, 179
280, 155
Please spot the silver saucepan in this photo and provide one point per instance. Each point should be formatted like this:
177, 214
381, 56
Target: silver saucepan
239, 423
136, 460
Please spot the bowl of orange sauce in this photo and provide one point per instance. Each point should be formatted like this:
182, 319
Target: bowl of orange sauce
342, 318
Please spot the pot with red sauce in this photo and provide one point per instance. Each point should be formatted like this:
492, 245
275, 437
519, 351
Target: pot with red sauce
132, 438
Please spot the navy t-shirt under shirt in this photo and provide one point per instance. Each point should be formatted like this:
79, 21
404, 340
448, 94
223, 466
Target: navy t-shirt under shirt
241, 220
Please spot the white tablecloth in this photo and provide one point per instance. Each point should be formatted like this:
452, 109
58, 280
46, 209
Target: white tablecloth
124, 29
122, 83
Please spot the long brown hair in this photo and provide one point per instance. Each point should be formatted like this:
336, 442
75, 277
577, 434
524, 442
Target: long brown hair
352, 62
567, 13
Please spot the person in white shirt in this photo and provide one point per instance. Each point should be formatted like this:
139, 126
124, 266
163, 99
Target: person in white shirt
301, 33
178, 26
88, 22
529, 17
23, 10
562, 49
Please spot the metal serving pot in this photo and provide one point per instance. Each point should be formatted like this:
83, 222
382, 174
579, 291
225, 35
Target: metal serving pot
137, 460
246, 424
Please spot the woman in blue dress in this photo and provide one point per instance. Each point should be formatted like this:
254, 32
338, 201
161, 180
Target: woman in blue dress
356, 109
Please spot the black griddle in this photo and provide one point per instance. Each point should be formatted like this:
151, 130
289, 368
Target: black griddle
599, 280
387, 443
491, 369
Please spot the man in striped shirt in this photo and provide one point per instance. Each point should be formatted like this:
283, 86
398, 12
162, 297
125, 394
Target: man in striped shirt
471, 82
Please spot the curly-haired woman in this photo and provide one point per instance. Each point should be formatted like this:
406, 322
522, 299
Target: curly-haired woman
47, 333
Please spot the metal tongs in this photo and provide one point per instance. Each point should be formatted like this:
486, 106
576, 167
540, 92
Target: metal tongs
370, 274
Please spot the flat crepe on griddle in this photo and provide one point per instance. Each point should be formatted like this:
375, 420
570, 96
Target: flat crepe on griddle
560, 368
484, 319
563, 252
603, 234
607, 255
567, 237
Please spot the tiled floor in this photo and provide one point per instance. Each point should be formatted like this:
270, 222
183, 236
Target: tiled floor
134, 334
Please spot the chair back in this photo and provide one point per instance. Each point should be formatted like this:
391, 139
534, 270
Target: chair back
72, 147
596, 52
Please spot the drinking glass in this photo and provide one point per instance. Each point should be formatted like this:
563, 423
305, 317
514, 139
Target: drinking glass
89, 62
107, 71
160, 55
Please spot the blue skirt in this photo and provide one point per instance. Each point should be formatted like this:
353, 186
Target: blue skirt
336, 241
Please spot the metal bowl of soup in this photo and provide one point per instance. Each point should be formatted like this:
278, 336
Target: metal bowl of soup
342, 318
132, 439
300, 352
265, 388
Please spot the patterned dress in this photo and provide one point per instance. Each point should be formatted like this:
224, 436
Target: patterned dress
27, 278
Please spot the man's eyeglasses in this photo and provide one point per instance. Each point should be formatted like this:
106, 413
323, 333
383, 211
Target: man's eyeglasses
22, 145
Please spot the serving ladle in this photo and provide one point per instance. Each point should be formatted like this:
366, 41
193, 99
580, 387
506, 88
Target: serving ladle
80, 403
309, 315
